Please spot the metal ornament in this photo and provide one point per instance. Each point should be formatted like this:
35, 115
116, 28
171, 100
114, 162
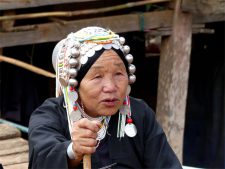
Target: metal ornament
83, 59
107, 46
129, 58
75, 53
98, 47
122, 40
132, 78
73, 62
115, 46
76, 44
126, 49
130, 130
73, 82
90, 53
73, 72
132, 68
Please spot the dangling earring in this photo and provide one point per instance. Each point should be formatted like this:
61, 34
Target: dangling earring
125, 117
130, 129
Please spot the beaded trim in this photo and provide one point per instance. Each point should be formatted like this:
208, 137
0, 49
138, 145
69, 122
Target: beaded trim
80, 46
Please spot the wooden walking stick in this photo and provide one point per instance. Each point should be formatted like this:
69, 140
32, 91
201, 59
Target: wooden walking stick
87, 161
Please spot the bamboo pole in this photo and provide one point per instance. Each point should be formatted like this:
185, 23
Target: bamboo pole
26, 66
87, 161
1, 52
79, 12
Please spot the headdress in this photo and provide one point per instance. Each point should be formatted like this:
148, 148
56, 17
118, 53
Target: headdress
72, 58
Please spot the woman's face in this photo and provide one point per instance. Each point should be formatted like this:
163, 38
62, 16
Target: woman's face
103, 88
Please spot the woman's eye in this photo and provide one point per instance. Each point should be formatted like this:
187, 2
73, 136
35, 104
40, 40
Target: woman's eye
119, 73
97, 76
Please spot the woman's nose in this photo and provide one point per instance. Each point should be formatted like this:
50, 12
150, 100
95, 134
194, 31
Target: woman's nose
109, 86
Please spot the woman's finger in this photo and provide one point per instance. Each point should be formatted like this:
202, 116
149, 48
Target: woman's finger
88, 124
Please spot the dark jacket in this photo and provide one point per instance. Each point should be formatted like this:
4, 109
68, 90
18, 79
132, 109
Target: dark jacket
49, 137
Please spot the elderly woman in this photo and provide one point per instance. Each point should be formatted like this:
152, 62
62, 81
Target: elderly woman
93, 113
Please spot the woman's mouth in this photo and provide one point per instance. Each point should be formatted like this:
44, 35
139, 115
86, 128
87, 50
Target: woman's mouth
110, 102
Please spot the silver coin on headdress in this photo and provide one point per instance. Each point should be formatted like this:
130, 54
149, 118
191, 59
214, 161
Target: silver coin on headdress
90, 53
98, 47
83, 59
107, 46
115, 46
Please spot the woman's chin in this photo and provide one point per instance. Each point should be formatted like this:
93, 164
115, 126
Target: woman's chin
108, 112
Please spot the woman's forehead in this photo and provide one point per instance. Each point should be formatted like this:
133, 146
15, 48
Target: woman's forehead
108, 56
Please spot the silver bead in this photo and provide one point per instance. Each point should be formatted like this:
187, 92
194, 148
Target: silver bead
129, 58
132, 78
75, 53
73, 72
73, 82
126, 49
76, 44
132, 68
122, 40
73, 62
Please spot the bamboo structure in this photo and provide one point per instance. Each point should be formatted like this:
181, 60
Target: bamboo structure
79, 12
26, 66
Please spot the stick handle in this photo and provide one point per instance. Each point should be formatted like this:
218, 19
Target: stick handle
87, 161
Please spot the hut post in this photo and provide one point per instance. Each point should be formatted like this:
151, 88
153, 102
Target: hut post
1, 52
173, 79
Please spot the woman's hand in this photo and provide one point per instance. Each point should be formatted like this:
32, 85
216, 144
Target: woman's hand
84, 134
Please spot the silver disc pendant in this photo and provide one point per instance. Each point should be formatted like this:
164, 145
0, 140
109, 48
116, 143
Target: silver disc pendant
130, 130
